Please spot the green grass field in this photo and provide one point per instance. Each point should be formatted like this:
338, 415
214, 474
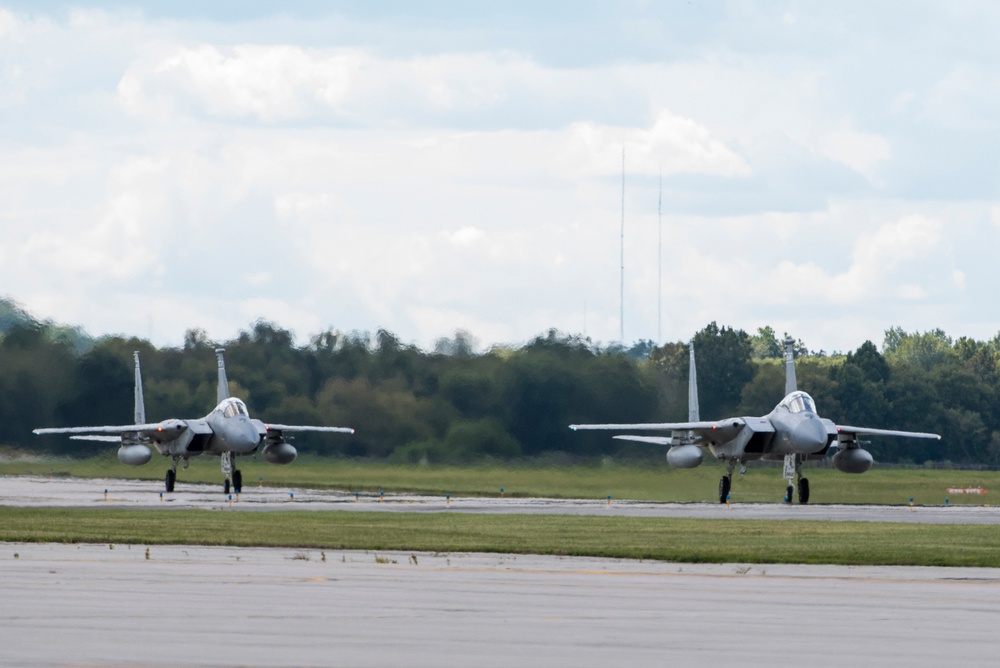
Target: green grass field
671, 539
653, 482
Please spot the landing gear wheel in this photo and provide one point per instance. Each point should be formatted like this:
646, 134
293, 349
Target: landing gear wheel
171, 479
804, 490
238, 482
789, 493
725, 484
225, 487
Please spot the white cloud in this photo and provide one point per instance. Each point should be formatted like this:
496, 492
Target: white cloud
672, 145
966, 98
862, 152
157, 175
270, 83
467, 236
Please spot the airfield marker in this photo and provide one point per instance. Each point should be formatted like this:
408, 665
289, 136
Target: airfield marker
501, 492
946, 500
105, 495
911, 502
609, 500
161, 497
230, 500
356, 497
447, 499
291, 496
727, 501
381, 493
260, 482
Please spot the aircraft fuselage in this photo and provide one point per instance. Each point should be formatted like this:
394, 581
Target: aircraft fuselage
228, 428
792, 428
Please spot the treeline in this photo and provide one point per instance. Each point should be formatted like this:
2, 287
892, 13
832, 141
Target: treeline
454, 404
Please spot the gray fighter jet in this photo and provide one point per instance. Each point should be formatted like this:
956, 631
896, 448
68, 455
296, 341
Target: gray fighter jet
792, 433
228, 432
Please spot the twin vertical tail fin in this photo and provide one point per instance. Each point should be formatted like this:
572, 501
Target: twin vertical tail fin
694, 413
140, 403
223, 390
790, 384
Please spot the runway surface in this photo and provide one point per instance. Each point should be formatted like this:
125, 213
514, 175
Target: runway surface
29, 491
206, 606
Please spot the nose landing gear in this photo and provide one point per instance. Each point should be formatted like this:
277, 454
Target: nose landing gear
793, 469
234, 477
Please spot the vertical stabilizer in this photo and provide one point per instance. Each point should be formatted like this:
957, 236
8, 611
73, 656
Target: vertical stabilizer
140, 403
694, 413
790, 384
223, 391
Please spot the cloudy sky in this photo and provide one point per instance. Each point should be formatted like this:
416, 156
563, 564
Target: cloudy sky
829, 169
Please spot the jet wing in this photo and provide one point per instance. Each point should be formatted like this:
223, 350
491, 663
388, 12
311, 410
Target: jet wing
295, 427
111, 429
661, 426
701, 433
155, 431
865, 431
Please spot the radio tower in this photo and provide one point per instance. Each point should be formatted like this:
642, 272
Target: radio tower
659, 264
621, 296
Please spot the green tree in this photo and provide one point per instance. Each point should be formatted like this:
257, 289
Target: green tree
924, 350
765, 345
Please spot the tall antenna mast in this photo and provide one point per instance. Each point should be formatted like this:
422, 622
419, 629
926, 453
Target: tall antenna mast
621, 297
659, 264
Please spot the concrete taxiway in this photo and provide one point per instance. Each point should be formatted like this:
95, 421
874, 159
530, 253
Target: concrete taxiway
180, 606
31, 491
159, 605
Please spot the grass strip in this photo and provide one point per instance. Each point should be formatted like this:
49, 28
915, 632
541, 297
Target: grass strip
668, 539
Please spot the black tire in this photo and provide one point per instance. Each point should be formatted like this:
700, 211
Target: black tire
725, 484
170, 480
225, 487
789, 494
238, 482
804, 490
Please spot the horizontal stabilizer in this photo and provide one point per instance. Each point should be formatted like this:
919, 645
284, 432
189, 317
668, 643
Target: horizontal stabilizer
865, 431
655, 440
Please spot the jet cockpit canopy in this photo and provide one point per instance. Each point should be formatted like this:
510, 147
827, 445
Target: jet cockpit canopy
232, 407
797, 402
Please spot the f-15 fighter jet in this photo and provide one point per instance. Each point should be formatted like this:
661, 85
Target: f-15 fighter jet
792, 432
227, 432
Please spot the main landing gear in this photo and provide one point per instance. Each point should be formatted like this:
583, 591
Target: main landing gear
234, 477
172, 473
793, 469
726, 483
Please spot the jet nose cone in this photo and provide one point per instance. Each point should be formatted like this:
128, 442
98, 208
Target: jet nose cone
809, 436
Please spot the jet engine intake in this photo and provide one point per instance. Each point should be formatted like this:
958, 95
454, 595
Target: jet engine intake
684, 456
279, 453
853, 460
134, 455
